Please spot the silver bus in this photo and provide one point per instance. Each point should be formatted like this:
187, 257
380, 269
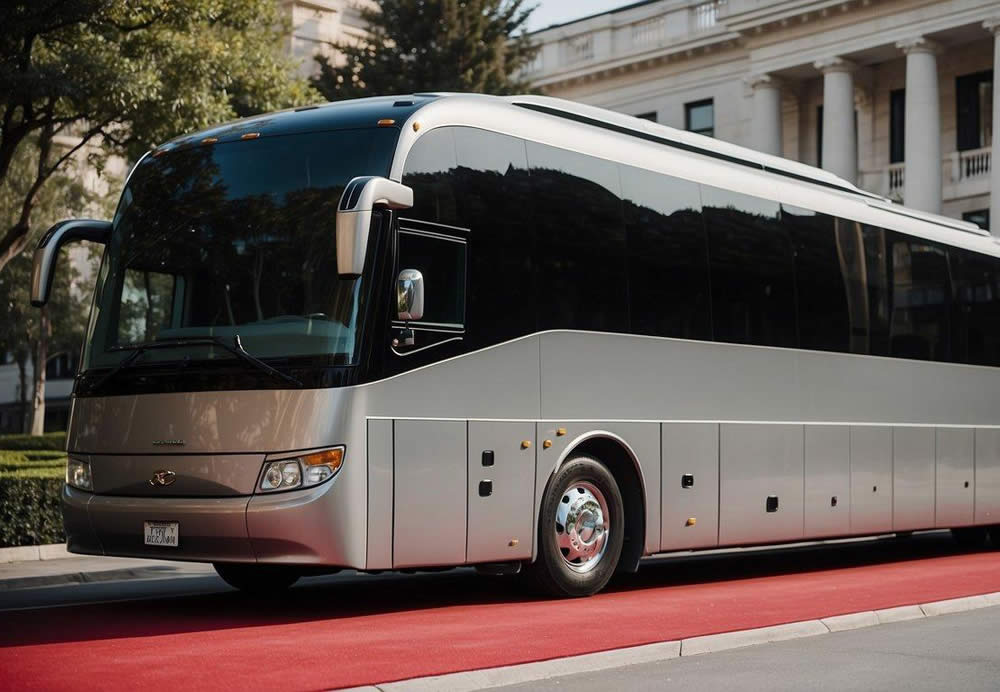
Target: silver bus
517, 333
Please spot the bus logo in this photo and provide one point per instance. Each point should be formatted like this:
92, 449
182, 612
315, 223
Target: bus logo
163, 478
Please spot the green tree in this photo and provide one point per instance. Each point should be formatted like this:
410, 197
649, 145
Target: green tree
433, 45
37, 336
127, 74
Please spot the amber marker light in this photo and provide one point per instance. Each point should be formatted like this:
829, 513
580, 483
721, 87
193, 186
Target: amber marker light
386, 122
250, 135
210, 140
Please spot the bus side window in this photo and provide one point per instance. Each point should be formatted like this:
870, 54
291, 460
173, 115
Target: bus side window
580, 241
442, 261
667, 256
430, 171
753, 269
921, 299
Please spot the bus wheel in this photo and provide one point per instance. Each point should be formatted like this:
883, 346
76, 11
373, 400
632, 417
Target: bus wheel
257, 579
971, 537
580, 530
995, 536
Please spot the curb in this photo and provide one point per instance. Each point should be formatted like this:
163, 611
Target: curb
25, 553
17, 583
650, 653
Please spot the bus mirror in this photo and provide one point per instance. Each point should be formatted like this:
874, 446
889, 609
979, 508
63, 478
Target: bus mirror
354, 217
410, 295
48, 250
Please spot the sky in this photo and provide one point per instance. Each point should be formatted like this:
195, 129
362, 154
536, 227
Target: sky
559, 11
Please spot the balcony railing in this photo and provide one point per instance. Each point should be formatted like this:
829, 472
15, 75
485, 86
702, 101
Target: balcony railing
895, 174
963, 173
706, 15
972, 163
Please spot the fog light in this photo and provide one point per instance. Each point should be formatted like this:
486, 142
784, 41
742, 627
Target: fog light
78, 474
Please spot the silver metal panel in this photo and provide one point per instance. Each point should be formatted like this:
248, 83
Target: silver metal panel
500, 524
955, 477
209, 475
757, 461
690, 448
290, 527
827, 481
871, 479
210, 529
587, 376
643, 439
988, 476
429, 493
379, 494
912, 478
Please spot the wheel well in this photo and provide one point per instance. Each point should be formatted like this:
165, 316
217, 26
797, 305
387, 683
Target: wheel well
622, 466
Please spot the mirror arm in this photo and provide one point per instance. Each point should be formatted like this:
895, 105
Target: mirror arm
47, 251
362, 196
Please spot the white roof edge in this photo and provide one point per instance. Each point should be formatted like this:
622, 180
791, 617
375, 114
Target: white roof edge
692, 139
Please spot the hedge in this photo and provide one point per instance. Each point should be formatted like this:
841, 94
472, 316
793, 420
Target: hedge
55, 441
31, 482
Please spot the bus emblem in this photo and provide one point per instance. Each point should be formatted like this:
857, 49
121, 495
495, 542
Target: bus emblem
163, 478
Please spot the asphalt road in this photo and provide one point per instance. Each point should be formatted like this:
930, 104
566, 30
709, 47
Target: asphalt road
947, 652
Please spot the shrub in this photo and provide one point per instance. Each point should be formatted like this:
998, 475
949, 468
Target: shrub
54, 441
29, 507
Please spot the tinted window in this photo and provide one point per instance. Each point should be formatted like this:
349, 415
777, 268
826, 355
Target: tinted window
752, 269
667, 256
494, 201
441, 260
429, 170
823, 294
977, 302
580, 241
921, 297
877, 279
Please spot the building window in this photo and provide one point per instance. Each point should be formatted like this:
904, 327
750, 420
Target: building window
980, 217
897, 125
699, 117
651, 116
974, 109
819, 136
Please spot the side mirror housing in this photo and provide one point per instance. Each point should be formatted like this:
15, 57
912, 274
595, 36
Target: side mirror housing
410, 295
47, 251
361, 197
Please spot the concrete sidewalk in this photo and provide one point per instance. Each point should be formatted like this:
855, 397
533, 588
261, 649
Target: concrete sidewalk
30, 574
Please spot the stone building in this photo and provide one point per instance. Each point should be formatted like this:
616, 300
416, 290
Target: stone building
895, 95
318, 25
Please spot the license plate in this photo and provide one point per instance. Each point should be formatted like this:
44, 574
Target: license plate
161, 533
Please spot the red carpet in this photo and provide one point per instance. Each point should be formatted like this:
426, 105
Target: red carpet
331, 635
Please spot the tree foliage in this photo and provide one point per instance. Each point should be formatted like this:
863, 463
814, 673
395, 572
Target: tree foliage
433, 45
128, 74
23, 333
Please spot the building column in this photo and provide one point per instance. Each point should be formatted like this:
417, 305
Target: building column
840, 136
766, 113
922, 139
993, 26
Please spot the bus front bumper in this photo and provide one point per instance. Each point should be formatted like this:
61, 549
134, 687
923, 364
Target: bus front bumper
290, 527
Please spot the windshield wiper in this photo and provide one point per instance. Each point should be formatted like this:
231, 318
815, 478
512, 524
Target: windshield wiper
236, 348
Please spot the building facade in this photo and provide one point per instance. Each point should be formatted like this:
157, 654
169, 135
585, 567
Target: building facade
319, 25
894, 95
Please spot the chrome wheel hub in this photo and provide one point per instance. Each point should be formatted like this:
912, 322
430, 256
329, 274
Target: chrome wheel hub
582, 526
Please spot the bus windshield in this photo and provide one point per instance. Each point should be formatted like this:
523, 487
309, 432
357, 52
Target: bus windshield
235, 239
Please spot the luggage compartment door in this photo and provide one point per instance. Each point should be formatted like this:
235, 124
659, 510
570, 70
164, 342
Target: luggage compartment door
501, 491
955, 477
429, 493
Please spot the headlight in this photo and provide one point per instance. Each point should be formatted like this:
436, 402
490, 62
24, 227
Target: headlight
303, 471
78, 474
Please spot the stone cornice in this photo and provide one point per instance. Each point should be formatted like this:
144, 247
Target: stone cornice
918, 44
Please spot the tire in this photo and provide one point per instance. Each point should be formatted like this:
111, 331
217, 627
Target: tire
995, 536
580, 530
971, 537
257, 579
